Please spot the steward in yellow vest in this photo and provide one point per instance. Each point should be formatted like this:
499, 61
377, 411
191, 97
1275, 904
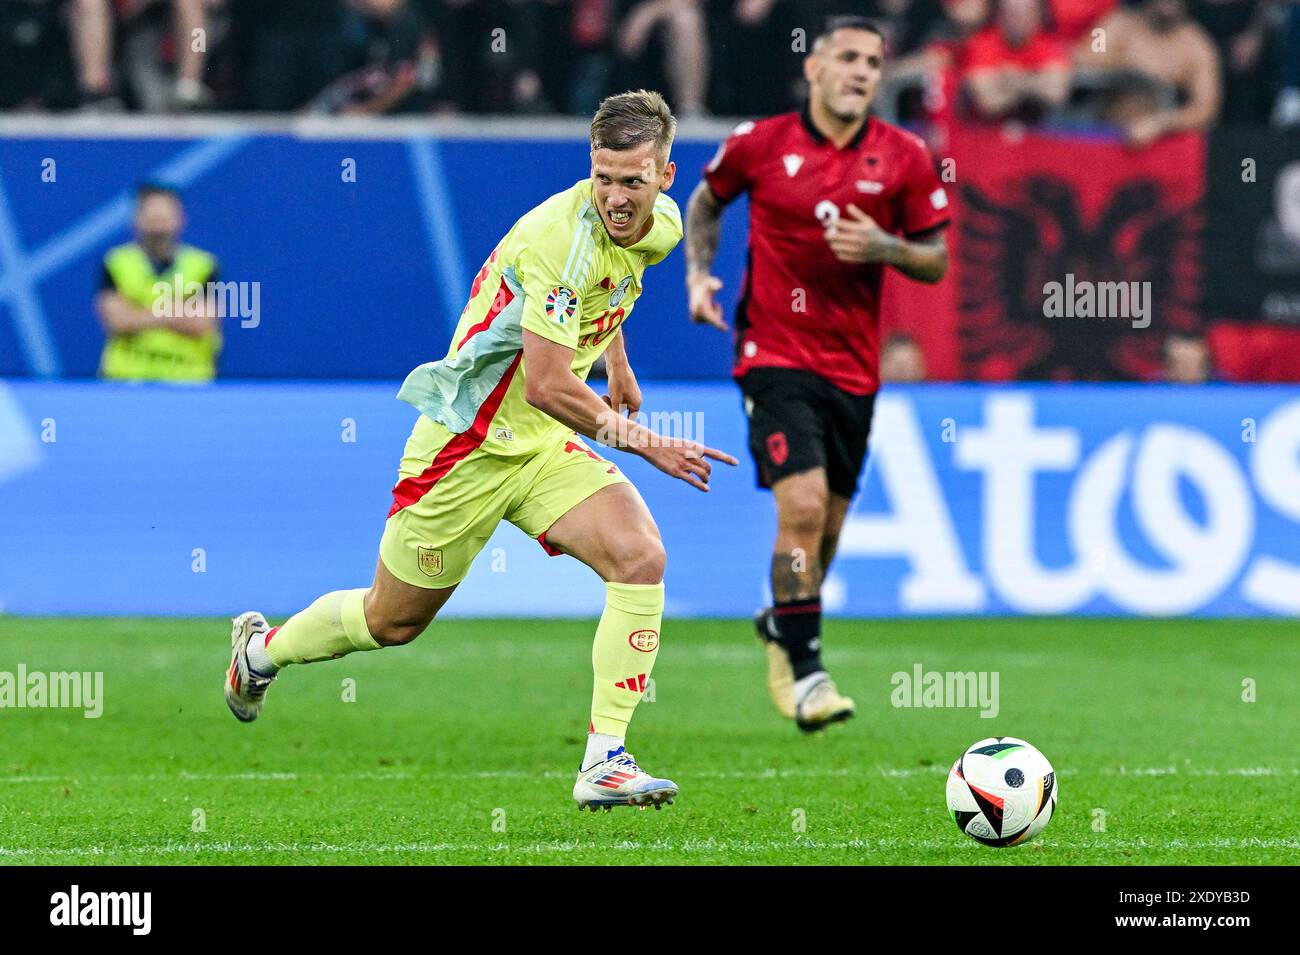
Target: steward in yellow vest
153, 333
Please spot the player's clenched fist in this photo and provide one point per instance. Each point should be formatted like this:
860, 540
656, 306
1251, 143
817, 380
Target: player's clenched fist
687, 460
700, 289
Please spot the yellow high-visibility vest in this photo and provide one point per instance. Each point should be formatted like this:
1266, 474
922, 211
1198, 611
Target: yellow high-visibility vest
158, 354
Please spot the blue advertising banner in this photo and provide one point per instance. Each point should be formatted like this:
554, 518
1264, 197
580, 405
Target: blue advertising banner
1081, 499
359, 253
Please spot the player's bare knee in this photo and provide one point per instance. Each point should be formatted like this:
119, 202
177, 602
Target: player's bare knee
803, 505
638, 559
804, 513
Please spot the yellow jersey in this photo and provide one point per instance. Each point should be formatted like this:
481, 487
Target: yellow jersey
558, 274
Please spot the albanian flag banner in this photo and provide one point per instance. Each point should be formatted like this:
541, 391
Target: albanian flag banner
1073, 258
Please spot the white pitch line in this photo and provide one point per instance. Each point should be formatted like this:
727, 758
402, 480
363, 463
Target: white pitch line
663, 845
888, 772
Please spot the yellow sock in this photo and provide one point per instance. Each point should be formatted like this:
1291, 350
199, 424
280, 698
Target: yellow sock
627, 642
331, 627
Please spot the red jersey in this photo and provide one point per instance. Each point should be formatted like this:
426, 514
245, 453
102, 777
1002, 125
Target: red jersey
801, 307
989, 50
1074, 18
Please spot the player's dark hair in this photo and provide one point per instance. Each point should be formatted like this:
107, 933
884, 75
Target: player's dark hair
627, 120
847, 21
147, 189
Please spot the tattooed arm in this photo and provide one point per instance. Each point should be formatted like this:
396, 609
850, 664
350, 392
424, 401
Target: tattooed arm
703, 232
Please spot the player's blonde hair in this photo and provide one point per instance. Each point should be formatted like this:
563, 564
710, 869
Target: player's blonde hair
626, 120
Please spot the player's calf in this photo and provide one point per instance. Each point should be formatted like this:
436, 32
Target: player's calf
794, 625
397, 633
397, 612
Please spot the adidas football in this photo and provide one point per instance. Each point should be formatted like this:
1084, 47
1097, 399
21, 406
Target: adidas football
1002, 791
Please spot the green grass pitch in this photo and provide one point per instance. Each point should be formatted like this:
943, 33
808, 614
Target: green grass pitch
461, 748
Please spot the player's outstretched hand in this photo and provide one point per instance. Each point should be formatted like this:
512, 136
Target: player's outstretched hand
857, 238
687, 460
700, 289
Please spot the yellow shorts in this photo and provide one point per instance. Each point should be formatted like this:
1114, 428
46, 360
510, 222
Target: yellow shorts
452, 496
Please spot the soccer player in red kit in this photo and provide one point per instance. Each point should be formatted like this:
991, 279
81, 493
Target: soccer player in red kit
835, 196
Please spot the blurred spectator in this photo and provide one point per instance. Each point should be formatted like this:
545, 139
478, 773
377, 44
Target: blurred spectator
483, 46
1156, 39
1075, 19
164, 49
591, 29
539, 80
91, 26
1286, 111
1014, 68
901, 359
745, 33
1239, 30
967, 17
290, 50
679, 53
959, 21
1187, 359
34, 48
147, 342
995, 59
937, 64
388, 42
907, 24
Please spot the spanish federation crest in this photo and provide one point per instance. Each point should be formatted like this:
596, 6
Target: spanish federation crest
616, 296
430, 561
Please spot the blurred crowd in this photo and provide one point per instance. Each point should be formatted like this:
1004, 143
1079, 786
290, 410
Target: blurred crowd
1151, 66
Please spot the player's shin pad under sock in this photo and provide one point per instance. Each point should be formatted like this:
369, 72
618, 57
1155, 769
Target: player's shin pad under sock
627, 642
799, 628
331, 627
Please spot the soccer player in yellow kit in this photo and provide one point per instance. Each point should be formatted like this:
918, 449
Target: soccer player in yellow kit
496, 441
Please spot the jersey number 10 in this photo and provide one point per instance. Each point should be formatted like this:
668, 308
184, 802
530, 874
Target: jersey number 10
606, 324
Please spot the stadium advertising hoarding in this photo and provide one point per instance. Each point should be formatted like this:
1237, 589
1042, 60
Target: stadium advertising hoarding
1254, 234
1079, 499
390, 231
361, 258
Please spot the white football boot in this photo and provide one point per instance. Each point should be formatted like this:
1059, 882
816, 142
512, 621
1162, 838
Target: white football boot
619, 781
245, 689
822, 705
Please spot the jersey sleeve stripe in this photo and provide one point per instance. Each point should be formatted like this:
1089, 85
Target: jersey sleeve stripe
584, 257
579, 237
586, 264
